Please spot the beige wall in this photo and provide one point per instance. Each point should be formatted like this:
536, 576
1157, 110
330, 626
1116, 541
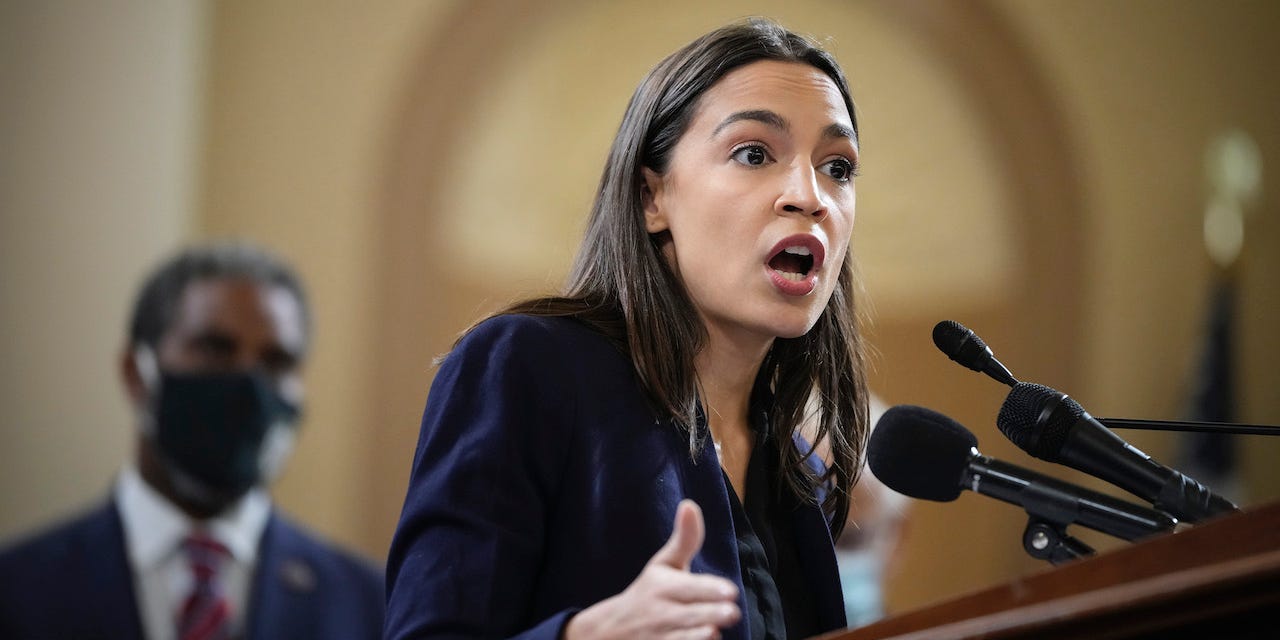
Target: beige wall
300, 99
99, 131
391, 148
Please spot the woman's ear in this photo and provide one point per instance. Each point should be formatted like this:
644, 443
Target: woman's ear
655, 216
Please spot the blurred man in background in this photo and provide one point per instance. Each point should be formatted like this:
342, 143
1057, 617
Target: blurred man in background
188, 545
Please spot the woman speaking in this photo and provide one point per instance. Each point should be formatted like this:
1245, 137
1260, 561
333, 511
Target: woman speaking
627, 460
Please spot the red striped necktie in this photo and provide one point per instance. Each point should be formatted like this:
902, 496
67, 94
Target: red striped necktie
205, 614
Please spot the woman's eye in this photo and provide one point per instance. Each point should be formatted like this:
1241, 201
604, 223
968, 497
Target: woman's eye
754, 155
840, 169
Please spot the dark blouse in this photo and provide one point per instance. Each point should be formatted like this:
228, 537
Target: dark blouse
779, 604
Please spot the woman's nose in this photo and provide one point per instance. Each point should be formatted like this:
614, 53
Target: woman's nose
801, 194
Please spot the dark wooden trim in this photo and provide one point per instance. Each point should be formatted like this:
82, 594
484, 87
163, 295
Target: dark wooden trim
1221, 572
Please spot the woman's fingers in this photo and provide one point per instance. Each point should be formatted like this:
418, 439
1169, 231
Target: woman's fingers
693, 587
714, 614
697, 633
669, 567
686, 538
665, 600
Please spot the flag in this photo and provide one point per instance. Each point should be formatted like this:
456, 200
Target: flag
1210, 457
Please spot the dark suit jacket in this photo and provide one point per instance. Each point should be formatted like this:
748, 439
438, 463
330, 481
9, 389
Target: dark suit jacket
74, 582
542, 484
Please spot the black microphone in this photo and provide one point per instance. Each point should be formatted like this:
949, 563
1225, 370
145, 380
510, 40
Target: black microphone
964, 346
924, 454
1051, 426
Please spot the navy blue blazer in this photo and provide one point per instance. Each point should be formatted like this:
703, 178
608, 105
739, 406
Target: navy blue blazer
543, 482
74, 582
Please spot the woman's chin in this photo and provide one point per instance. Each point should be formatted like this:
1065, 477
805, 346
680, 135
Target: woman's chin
793, 327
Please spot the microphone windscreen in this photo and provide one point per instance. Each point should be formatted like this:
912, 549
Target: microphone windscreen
920, 453
1024, 421
960, 344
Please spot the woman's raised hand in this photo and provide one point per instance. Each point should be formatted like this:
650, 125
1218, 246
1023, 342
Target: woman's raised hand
665, 600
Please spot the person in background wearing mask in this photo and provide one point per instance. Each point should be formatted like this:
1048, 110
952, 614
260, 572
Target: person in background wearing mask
188, 545
866, 550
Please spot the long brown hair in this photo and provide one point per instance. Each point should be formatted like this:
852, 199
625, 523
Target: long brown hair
621, 286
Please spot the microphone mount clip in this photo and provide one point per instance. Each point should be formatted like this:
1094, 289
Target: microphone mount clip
1045, 540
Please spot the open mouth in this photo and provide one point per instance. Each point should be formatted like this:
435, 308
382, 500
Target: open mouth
796, 258
793, 263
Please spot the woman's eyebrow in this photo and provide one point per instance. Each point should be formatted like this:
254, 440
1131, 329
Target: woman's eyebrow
772, 119
838, 130
759, 115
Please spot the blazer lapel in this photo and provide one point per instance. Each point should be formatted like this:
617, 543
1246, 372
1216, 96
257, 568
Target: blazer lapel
107, 576
284, 588
704, 484
818, 563
818, 552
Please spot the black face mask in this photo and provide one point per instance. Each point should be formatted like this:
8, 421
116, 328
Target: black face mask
213, 427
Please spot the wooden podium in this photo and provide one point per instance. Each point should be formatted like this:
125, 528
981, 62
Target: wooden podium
1219, 579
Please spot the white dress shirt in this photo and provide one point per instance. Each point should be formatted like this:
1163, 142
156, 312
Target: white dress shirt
162, 579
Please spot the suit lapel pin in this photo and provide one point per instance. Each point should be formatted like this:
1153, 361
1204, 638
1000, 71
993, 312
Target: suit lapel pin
297, 575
